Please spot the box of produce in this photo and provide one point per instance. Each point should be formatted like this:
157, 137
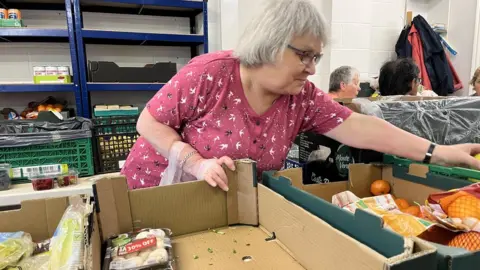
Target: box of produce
55, 233
408, 202
248, 227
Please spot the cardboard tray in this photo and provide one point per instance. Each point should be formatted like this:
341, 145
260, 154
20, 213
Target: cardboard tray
413, 183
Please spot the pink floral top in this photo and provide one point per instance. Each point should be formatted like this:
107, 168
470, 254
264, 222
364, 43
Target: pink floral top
206, 104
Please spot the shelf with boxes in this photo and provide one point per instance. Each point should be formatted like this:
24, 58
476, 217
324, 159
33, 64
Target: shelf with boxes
19, 24
141, 26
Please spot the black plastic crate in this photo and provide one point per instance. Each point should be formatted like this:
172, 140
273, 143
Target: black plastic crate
114, 137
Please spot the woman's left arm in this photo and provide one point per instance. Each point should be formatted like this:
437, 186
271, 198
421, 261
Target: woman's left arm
368, 132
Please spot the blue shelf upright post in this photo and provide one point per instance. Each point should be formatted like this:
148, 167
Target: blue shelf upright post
73, 55
82, 63
205, 26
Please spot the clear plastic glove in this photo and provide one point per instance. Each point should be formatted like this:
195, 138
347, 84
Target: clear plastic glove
210, 170
195, 167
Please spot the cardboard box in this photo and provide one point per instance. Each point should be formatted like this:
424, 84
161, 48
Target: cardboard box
262, 229
413, 183
41, 217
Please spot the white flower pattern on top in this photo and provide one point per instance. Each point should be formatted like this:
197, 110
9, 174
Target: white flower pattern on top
206, 104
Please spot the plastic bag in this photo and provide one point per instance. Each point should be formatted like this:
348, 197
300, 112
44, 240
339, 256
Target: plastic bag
67, 243
13, 247
37, 262
144, 249
15, 133
441, 120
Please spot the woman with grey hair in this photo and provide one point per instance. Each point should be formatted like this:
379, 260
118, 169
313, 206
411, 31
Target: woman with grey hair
253, 102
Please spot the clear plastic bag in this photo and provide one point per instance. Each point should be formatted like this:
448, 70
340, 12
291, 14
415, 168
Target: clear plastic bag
441, 120
13, 247
67, 243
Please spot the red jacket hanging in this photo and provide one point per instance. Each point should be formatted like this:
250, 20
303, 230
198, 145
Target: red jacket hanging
417, 56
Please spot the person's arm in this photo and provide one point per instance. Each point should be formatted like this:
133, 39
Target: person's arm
368, 132
159, 135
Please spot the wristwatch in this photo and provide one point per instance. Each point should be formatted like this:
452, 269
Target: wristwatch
428, 155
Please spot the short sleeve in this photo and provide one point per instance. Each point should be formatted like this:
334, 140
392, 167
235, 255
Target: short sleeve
183, 98
323, 113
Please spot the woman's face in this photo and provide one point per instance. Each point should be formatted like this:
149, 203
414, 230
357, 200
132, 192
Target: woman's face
289, 74
415, 84
476, 86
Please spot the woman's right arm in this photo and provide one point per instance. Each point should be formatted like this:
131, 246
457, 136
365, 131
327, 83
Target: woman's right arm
159, 135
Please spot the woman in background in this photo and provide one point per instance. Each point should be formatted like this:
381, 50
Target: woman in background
475, 82
401, 77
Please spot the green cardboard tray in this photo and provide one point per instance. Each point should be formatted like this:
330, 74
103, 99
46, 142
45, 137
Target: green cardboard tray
367, 229
11, 23
362, 226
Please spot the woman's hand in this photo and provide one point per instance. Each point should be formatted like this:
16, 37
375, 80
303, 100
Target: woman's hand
459, 155
211, 170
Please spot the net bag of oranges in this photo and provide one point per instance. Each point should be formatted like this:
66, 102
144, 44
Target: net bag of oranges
459, 211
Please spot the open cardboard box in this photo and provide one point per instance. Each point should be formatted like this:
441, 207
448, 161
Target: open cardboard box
262, 229
413, 183
40, 219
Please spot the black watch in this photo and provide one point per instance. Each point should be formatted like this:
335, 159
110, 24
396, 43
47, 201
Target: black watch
428, 155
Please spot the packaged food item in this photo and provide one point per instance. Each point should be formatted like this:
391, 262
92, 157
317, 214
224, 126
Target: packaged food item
14, 246
143, 249
51, 70
41, 182
39, 71
3, 14
67, 243
63, 70
14, 14
5, 176
70, 178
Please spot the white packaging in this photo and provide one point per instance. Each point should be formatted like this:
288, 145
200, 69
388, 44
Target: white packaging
39, 71
51, 70
63, 70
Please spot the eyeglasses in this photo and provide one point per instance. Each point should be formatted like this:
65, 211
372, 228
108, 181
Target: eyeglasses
306, 57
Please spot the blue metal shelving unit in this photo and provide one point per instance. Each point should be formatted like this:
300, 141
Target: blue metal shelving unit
175, 8
26, 34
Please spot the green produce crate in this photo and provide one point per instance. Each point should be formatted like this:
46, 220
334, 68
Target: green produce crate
446, 178
76, 153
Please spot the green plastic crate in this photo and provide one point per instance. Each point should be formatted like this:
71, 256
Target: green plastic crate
76, 153
457, 172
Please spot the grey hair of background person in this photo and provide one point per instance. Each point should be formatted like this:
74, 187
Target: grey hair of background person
271, 30
343, 74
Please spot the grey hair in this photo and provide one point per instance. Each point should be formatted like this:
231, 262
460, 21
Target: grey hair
269, 33
343, 74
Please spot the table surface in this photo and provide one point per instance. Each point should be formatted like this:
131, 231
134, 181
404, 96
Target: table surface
22, 192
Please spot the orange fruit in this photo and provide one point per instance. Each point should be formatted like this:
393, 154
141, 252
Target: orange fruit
402, 203
413, 210
469, 241
380, 187
464, 206
41, 108
49, 107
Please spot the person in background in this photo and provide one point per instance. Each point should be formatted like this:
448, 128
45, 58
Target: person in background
475, 82
252, 103
344, 83
401, 77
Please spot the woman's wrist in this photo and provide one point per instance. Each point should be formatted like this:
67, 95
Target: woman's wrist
437, 154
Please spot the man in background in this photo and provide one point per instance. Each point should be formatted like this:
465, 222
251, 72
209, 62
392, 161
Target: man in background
344, 82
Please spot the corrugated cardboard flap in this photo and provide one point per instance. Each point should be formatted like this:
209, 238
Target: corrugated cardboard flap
184, 208
37, 217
